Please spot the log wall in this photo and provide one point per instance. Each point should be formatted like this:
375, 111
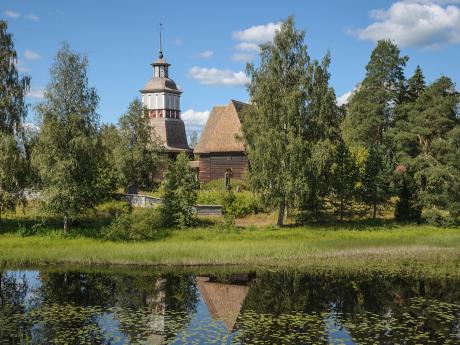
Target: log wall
214, 165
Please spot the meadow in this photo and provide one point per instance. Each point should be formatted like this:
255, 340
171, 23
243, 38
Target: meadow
355, 247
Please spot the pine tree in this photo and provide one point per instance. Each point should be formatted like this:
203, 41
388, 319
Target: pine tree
68, 153
371, 109
273, 125
432, 124
179, 194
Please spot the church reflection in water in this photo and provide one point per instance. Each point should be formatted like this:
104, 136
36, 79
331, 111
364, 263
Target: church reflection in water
44, 307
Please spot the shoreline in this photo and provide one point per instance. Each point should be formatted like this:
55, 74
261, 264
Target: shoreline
420, 250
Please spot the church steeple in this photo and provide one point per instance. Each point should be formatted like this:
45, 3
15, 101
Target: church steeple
161, 98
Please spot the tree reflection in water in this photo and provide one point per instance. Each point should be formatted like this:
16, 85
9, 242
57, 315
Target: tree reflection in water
269, 308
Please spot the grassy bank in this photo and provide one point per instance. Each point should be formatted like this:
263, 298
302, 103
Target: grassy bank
422, 248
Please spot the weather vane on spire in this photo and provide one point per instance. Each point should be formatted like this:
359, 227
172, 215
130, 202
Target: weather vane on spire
161, 43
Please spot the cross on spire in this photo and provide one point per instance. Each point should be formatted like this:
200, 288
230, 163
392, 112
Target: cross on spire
160, 55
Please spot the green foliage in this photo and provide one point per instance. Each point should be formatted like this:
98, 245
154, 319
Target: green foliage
135, 150
376, 178
114, 208
110, 141
239, 205
287, 126
13, 109
371, 109
407, 208
144, 225
11, 174
179, 194
427, 145
344, 176
68, 154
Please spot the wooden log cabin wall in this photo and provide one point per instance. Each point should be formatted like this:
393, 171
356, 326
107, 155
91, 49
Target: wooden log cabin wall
219, 151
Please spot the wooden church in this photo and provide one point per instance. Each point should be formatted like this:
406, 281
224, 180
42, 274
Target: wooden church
220, 154
220, 151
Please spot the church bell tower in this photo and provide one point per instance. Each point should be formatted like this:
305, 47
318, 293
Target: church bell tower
161, 98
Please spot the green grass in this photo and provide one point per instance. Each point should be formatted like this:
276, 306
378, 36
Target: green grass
424, 249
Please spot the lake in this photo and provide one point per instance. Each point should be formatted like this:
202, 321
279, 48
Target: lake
183, 306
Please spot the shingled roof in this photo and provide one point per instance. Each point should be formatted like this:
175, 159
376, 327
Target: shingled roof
221, 130
224, 301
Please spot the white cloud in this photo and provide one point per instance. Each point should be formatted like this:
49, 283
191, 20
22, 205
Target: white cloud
28, 54
206, 54
247, 47
427, 24
243, 57
33, 17
36, 92
21, 67
11, 14
195, 120
214, 76
251, 38
344, 99
257, 33
32, 127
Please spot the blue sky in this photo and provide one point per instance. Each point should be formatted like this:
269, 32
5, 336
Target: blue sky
209, 42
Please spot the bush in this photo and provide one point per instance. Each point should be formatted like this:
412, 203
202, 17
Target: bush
219, 185
114, 208
140, 226
241, 204
438, 218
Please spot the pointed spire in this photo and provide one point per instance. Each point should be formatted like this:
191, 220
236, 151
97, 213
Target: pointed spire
160, 55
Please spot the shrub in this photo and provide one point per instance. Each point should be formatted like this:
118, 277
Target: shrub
140, 226
437, 217
241, 204
114, 208
219, 185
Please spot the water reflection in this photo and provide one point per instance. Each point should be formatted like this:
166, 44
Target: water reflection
42, 307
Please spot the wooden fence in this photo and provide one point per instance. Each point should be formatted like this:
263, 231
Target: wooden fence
138, 200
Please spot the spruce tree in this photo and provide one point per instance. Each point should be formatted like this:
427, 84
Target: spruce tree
344, 176
68, 152
415, 85
376, 178
407, 207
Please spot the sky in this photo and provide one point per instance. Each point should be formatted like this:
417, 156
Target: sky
208, 43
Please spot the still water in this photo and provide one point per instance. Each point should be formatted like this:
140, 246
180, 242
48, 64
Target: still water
263, 307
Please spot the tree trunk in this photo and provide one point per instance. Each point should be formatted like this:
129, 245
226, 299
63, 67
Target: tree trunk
374, 204
281, 210
341, 209
66, 224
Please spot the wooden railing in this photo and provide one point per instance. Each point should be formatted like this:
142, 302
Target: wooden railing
139, 200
